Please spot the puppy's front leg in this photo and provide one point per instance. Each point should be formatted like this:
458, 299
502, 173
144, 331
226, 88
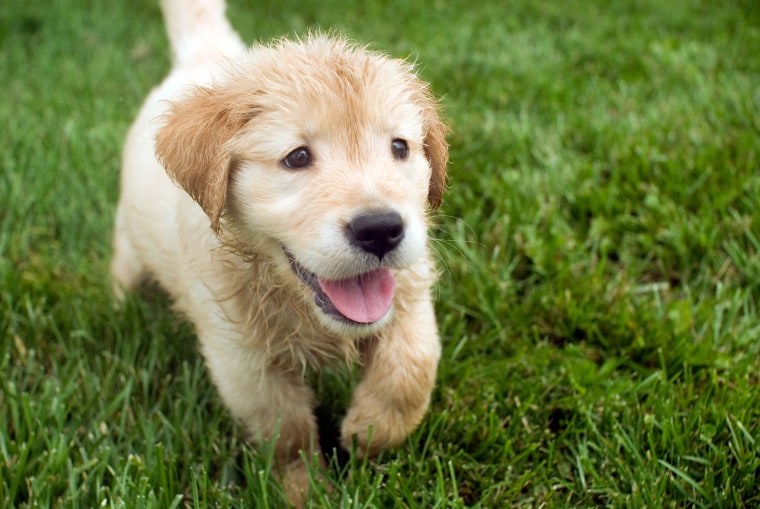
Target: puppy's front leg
399, 374
271, 403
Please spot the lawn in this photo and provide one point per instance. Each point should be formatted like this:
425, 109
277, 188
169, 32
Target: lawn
599, 248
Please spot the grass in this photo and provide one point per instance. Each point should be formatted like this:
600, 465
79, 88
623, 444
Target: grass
600, 246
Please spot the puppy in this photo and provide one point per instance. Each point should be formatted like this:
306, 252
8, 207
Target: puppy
281, 196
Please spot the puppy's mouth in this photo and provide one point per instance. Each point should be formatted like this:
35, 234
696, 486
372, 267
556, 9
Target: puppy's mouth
363, 299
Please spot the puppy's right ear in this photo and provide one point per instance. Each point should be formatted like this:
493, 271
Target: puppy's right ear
193, 146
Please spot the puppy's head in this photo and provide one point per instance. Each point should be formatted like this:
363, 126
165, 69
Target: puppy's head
324, 156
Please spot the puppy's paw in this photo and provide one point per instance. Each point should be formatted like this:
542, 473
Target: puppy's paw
295, 479
375, 423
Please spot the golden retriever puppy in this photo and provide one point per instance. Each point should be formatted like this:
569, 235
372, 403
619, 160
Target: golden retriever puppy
281, 195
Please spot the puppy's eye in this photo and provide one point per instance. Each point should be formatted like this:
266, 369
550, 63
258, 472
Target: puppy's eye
299, 158
399, 148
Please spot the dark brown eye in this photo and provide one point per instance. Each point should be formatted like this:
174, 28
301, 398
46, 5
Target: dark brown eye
399, 148
299, 158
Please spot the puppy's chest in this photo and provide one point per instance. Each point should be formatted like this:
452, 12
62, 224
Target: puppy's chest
279, 323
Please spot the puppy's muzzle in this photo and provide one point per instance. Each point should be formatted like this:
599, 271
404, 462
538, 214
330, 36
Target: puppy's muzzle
366, 297
377, 232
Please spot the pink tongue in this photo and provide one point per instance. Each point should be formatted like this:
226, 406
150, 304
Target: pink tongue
365, 298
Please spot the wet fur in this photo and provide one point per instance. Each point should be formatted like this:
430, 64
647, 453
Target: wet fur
206, 207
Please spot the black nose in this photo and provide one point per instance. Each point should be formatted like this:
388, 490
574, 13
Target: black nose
376, 232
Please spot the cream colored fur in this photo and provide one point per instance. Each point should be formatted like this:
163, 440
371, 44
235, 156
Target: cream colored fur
207, 209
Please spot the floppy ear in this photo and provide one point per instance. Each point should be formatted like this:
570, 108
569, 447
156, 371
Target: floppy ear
437, 152
436, 148
193, 146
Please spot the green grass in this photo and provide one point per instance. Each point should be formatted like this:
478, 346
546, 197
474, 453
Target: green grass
600, 248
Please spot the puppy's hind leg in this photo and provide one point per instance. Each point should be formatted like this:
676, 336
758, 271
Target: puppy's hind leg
127, 270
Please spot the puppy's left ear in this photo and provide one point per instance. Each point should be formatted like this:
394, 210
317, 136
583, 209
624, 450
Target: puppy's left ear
193, 146
436, 147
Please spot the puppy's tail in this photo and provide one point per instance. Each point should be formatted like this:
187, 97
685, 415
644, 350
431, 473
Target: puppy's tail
198, 30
